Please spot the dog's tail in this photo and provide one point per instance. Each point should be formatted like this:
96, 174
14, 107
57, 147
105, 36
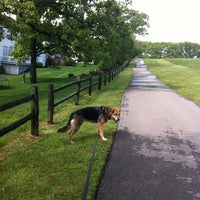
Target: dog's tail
63, 129
67, 127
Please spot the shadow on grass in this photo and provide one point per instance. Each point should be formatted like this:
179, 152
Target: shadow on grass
55, 80
4, 87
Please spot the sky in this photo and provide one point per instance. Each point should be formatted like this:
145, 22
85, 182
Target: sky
171, 20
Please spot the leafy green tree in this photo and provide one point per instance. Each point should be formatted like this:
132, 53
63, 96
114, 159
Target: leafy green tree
169, 49
42, 26
189, 50
103, 31
113, 29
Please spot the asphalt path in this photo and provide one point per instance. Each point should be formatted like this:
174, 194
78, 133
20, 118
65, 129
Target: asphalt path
156, 151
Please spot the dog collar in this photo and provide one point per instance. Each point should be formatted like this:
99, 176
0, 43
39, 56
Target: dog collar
102, 112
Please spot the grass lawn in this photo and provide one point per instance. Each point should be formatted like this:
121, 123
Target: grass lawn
48, 167
182, 75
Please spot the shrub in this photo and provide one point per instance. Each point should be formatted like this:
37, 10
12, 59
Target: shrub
39, 65
70, 75
105, 63
2, 70
69, 62
49, 62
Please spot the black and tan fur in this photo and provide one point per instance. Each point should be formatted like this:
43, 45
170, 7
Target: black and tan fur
98, 115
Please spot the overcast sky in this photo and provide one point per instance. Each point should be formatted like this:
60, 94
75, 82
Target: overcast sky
171, 20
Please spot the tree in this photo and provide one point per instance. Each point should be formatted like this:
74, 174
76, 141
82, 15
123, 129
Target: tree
42, 26
112, 33
102, 32
169, 49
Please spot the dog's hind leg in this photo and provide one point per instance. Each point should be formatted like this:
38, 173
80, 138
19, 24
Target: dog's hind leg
72, 133
76, 123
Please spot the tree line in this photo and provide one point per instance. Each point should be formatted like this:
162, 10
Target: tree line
169, 50
99, 31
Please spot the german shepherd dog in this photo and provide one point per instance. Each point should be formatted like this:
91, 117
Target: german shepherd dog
99, 115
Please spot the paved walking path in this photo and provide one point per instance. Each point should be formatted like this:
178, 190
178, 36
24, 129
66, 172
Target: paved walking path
156, 152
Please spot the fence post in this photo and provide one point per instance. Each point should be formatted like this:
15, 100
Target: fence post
35, 111
105, 78
112, 74
109, 74
50, 103
99, 82
121, 68
118, 71
78, 87
90, 85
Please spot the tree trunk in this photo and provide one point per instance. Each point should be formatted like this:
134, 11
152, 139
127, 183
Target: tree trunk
33, 75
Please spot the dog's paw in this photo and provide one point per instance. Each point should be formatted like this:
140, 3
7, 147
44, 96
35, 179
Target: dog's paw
103, 138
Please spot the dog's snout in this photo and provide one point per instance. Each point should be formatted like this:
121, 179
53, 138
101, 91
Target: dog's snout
116, 119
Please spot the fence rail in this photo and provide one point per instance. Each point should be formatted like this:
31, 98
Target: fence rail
33, 115
106, 77
93, 80
51, 94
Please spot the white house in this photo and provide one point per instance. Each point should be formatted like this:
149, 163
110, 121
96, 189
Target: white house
9, 63
6, 46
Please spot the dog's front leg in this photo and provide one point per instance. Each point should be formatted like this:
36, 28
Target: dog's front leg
100, 129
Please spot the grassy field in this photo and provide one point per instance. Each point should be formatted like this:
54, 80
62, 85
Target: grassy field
48, 167
15, 89
182, 75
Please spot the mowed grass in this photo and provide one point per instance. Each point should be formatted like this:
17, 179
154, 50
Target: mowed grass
48, 167
15, 89
182, 75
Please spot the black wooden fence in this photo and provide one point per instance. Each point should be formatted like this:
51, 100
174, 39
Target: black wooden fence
89, 82
33, 115
102, 77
